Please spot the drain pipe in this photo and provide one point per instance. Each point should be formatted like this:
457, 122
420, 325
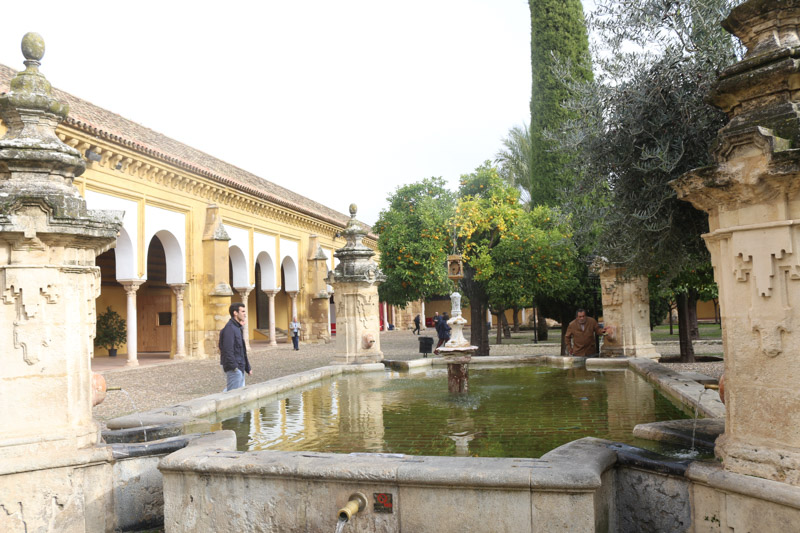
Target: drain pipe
356, 504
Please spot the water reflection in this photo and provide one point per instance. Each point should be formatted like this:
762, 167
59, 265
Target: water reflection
509, 412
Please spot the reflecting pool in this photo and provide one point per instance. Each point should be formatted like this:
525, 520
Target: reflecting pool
510, 412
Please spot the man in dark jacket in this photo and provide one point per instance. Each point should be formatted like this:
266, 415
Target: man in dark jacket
232, 351
442, 331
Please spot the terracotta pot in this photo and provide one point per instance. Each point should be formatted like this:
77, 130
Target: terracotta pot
98, 388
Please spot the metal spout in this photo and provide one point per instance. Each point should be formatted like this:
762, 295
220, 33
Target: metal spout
114, 388
357, 503
712, 386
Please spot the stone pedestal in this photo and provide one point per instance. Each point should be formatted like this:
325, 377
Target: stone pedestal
52, 477
626, 314
752, 197
355, 282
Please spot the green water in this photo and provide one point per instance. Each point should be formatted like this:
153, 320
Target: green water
509, 412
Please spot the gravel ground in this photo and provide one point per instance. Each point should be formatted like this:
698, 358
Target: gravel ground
170, 383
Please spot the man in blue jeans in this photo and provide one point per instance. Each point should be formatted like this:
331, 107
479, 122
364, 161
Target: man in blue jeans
232, 350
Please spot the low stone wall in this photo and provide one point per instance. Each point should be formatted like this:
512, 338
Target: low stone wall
210, 487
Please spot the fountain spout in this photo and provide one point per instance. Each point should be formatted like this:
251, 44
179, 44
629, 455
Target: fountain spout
356, 504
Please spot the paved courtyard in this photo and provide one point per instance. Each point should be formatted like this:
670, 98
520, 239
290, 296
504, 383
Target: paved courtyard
161, 382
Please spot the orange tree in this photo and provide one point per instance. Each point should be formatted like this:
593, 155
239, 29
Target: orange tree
511, 256
415, 238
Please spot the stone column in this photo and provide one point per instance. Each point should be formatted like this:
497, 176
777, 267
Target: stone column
394, 315
293, 296
385, 325
355, 281
52, 476
131, 286
626, 313
244, 294
271, 295
422, 315
752, 196
180, 336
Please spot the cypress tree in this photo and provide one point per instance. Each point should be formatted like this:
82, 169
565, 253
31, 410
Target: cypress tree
558, 34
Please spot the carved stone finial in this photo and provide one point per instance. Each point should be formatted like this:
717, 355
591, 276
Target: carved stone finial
33, 46
353, 210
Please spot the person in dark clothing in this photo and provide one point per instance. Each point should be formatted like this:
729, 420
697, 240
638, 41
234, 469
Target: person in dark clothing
232, 350
416, 325
442, 330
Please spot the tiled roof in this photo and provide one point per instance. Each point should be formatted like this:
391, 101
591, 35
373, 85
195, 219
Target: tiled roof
107, 125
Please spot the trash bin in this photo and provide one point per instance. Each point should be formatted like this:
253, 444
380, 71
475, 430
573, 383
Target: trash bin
425, 345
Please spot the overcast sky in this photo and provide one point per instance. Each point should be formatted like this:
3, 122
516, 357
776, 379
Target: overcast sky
339, 101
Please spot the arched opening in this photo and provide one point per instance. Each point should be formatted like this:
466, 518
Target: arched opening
238, 267
154, 317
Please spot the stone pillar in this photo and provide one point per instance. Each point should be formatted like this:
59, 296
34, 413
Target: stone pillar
751, 195
293, 296
52, 476
317, 321
385, 325
355, 281
214, 283
271, 295
626, 313
244, 294
180, 335
394, 315
422, 315
131, 286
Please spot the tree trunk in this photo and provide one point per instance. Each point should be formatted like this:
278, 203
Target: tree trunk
503, 321
499, 328
694, 329
542, 326
515, 314
684, 327
670, 320
535, 326
479, 331
565, 319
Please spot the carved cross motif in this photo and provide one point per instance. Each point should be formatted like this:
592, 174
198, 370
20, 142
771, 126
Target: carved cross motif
757, 252
32, 338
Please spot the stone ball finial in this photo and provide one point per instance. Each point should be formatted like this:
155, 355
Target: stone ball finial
33, 46
353, 209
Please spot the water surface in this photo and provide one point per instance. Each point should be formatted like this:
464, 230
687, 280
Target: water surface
509, 412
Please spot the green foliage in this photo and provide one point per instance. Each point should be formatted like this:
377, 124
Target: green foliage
415, 238
643, 124
558, 33
111, 330
516, 255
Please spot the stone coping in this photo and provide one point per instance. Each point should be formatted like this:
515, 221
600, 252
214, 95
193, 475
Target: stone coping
714, 476
555, 360
192, 414
680, 388
576, 467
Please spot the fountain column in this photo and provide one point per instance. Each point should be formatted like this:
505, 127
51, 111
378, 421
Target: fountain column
626, 313
271, 296
752, 196
52, 476
244, 294
180, 336
457, 351
131, 286
355, 281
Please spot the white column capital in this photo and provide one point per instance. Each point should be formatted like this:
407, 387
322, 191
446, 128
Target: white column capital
178, 289
131, 285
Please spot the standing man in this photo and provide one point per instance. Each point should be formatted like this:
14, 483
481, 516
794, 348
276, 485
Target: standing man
294, 326
416, 325
580, 334
232, 350
436, 319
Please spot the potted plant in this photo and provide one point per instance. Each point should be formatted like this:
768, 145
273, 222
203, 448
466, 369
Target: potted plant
111, 331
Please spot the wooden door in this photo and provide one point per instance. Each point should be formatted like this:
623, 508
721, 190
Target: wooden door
154, 322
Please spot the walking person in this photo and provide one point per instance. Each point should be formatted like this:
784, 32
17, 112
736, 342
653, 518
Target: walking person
416, 325
232, 350
442, 330
294, 327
